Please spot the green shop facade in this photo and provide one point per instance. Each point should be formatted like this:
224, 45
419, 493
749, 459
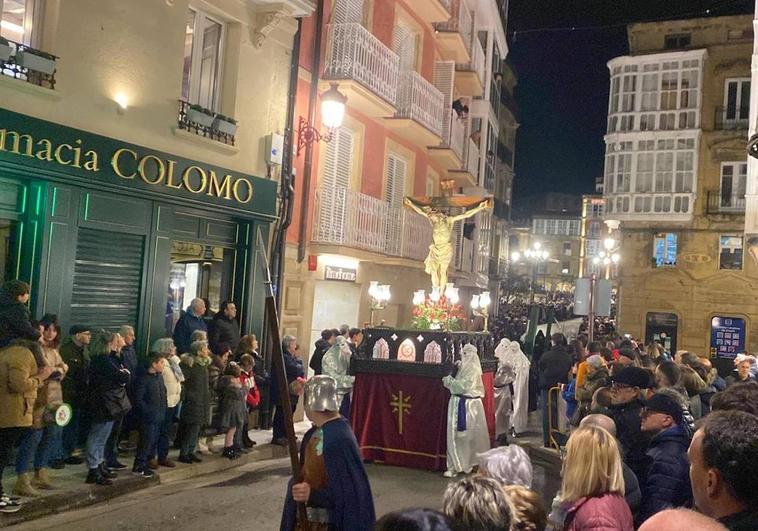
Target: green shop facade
109, 233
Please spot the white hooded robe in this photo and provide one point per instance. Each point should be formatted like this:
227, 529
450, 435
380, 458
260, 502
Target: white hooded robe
462, 446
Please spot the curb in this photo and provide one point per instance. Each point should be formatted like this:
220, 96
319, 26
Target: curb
68, 500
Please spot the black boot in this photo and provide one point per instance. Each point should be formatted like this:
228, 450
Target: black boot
230, 453
95, 476
106, 472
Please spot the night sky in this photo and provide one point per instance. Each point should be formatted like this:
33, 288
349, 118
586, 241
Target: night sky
562, 92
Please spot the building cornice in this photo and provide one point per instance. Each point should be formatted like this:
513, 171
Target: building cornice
700, 53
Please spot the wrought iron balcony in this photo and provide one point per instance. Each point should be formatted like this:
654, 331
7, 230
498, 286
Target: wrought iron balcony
206, 123
28, 64
461, 22
731, 118
476, 64
719, 203
454, 133
345, 217
353, 53
419, 100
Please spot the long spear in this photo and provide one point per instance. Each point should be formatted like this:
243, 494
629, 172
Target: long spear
277, 366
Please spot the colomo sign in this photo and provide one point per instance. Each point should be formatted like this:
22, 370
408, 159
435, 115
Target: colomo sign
83, 155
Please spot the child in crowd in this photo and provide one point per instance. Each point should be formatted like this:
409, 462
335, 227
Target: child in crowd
232, 396
253, 398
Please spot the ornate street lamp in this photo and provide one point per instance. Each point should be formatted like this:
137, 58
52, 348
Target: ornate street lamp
480, 305
332, 114
534, 256
380, 296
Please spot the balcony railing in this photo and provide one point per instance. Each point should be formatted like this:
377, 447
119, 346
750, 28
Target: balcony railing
354, 53
454, 133
731, 118
460, 21
345, 217
719, 203
23, 62
471, 162
206, 123
477, 61
419, 100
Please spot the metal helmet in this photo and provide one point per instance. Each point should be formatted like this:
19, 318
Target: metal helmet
321, 394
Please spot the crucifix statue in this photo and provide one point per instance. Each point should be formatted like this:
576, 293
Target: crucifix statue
441, 248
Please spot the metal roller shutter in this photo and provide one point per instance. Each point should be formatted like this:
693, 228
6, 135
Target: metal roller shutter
107, 279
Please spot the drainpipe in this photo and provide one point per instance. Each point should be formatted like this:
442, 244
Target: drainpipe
287, 184
308, 164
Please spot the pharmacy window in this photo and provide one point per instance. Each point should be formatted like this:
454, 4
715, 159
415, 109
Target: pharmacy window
664, 249
730, 251
19, 20
203, 58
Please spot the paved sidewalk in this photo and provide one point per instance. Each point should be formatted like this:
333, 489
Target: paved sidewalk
71, 492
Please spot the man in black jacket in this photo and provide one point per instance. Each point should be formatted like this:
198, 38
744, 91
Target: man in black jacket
668, 478
293, 369
322, 345
625, 410
554, 366
224, 327
15, 318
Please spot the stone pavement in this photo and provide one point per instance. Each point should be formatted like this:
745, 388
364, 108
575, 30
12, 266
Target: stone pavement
71, 492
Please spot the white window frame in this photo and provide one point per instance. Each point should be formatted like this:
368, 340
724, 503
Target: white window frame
32, 21
197, 48
735, 165
742, 253
740, 84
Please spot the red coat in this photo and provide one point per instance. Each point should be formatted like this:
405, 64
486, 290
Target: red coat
608, 512
253, 398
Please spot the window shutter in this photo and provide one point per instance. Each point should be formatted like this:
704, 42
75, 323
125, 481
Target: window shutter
404, 45
335, 183
107, 279
444, 72
347, 11
394, 193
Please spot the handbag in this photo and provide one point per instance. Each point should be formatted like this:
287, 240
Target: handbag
116, 402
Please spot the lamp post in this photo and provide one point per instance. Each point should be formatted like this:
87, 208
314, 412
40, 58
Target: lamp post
380, 296
608, 256
332, 114
480, 305
534, 256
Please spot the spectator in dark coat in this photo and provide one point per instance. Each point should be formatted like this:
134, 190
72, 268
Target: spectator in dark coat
15, 318
150, 407
75, 353
224, 328
626, 406
107, 401
555, 366
667, 484
191, 320
293, 368
196, 399
321, 346
355, 342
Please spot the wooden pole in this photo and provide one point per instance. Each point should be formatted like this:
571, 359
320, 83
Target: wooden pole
277, 368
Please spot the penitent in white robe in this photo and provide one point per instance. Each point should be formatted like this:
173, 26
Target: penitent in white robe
462, 446
517, 360
504, 378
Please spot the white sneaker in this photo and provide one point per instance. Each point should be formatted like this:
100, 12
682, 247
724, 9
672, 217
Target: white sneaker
8, 505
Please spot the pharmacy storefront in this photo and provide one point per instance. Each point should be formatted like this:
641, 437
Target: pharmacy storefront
110, 233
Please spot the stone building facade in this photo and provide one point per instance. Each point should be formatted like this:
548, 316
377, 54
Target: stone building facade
675, 178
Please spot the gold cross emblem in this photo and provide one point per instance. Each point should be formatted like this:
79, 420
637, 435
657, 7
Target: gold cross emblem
401, 405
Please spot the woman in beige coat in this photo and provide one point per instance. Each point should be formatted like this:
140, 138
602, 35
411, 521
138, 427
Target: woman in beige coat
40, 440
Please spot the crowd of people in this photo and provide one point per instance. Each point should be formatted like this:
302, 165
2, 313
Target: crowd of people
684, 436
512, 318
87, 398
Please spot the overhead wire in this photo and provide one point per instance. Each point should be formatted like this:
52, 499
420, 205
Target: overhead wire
700, 12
